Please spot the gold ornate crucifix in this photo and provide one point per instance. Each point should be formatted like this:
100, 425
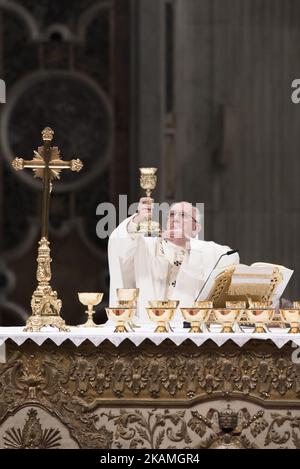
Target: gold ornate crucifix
46, 165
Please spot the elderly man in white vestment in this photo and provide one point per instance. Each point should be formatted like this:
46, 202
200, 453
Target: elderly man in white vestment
174, 266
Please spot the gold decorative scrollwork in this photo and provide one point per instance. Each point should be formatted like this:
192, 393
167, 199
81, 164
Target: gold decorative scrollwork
77, 384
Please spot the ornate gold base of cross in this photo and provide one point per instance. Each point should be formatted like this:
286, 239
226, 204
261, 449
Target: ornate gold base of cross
45, 305
46, 165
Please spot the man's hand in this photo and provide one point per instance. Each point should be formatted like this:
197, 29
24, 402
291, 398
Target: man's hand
145, 210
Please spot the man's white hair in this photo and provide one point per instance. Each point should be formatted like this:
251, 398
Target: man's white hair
195, 211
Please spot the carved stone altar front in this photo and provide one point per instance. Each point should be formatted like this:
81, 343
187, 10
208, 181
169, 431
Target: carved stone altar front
150, 396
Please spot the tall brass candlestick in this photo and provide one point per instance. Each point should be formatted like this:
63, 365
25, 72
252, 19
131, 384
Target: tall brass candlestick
46, 165
148, 180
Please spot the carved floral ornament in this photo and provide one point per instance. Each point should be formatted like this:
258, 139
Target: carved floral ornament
218, 427
156, 372
78, 386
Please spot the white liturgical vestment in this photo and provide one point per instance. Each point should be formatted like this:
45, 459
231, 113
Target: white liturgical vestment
160, 269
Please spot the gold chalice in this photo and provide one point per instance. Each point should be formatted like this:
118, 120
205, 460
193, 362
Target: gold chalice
162, 316
292, 316
239, 306
229, 315
122, 316
148, 180
197, 314
203, 304
127, 296
90, 300
260, 313
127, 299
157, 307
164, 304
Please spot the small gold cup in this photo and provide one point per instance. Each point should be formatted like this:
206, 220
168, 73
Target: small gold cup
162, 315
197, 314
203, 304
127, 296
164, 304
241, 305
260, 304
260, 313
226, 317
122, 316
90, 300
292, 316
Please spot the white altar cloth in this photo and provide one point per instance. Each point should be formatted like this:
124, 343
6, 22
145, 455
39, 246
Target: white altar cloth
78, 335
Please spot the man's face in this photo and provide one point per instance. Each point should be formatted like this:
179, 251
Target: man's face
182, 221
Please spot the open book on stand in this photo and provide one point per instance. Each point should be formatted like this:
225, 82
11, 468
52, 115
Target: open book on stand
257, 282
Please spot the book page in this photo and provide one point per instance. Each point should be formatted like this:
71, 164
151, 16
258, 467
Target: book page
286, 274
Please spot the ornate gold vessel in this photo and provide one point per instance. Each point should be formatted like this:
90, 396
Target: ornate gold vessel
162, 316
127, 296
122, 316
226, 317
163, 304
148, 180
90, 300
292, 316
260, 313
230, 315
197, 314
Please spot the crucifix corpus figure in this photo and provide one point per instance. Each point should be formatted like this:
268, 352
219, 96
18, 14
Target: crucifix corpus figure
46, 165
